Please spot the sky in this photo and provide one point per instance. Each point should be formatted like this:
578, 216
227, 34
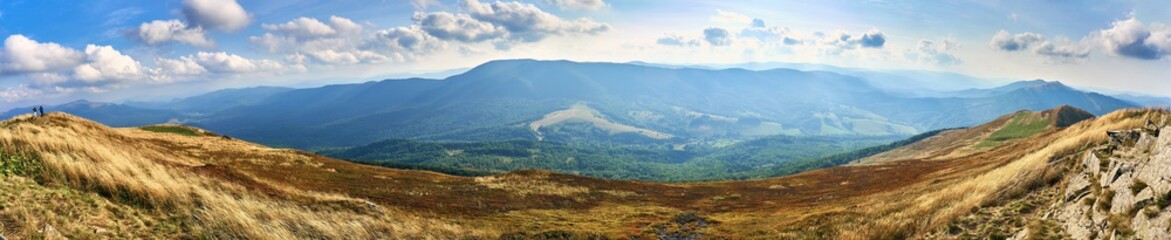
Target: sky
56, 51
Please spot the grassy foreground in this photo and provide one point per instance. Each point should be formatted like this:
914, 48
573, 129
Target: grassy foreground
162, 185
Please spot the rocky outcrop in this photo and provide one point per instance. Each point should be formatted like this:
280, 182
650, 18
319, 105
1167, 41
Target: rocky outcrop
1121, 190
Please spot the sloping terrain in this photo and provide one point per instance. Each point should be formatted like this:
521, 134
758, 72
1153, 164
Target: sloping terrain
581, 113
959, 142
498, 101
213, 187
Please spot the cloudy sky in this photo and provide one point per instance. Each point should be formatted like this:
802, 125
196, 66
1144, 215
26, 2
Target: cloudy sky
116, 50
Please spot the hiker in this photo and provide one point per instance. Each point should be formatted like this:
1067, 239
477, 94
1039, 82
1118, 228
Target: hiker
35, 114
42, 108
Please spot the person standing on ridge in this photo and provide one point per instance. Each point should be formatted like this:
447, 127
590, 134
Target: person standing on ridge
42, 109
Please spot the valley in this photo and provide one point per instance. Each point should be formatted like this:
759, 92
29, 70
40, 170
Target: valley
192, 179
610, 120
585, 120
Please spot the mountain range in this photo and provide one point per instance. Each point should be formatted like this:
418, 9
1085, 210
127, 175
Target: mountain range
588, 103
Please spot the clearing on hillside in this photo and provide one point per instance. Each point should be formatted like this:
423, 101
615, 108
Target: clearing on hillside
581, 113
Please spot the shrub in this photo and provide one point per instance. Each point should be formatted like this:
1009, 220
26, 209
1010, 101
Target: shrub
1137, 186
1107, 200
1151, 211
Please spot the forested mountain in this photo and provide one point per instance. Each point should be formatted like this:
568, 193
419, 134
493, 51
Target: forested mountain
605, 103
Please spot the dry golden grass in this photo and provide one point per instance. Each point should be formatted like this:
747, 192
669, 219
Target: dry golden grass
913, 211
212, 187
525, 186
126, 166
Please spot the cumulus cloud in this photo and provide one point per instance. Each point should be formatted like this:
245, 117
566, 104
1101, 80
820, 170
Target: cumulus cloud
309, 28
1131, 38
340, 40
717, 36
162, 31
759, 31
49, 68
104, 63
578, 4
841, 40
459, 27
406, 40
756, 34
24, 55
1008, 42
1060, 50
222, 62
200, 15
167, 70
22, 91
1063, 52
528, 23
227, 15
873, 39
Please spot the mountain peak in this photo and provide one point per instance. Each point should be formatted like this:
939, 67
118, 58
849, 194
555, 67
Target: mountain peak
1066, 115
1049, 86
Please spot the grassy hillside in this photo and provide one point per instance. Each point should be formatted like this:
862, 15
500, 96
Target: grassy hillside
1023, 124
209, 187
1017, 126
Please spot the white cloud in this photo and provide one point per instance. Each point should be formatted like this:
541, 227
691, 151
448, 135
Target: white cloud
341, 41
404, 42
840, 41
1008, 42
1061, 51
227, 15
23, 55
162, 31
348, 57
168, 70
762, 33
19, 92
309, 28
338, 41
527, 23
222, 62
578, 4
1131, 38
104, 63
730, 18
460, 27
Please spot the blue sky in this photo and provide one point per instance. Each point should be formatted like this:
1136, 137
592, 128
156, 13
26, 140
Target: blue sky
106, 50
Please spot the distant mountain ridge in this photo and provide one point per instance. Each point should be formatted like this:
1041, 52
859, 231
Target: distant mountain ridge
498, 100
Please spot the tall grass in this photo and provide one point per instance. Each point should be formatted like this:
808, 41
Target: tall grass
130, 166
915, 212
